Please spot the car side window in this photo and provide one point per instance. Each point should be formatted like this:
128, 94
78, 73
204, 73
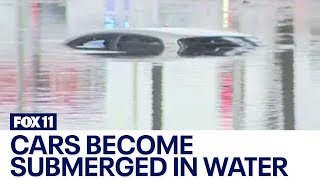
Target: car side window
98, 44
140, 45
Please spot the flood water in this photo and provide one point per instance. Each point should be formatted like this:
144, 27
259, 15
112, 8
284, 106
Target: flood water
275, 87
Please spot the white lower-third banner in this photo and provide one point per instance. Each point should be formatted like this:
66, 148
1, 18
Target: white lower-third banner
41, 154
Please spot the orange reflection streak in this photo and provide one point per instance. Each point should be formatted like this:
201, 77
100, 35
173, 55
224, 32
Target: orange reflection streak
7, 88
65, 85
8, 85
226, 100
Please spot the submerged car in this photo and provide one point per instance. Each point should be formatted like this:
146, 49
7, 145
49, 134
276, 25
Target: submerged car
167, 42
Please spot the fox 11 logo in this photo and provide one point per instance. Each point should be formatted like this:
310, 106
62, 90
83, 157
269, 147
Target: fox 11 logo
33, 121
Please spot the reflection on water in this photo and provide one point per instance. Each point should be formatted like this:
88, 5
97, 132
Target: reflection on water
275, 87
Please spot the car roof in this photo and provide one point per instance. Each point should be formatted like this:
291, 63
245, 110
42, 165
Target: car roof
192, 32
173, 32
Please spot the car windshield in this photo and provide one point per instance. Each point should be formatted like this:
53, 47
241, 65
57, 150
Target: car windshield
94, 42
213, 46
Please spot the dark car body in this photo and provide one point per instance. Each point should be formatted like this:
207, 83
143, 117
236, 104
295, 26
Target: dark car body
169, 42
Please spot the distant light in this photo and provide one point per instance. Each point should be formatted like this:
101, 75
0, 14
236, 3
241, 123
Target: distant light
126, 24
35, 10
110, 5
225, 13
110, 22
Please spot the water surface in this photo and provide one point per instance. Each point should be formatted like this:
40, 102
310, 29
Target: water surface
275, 87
